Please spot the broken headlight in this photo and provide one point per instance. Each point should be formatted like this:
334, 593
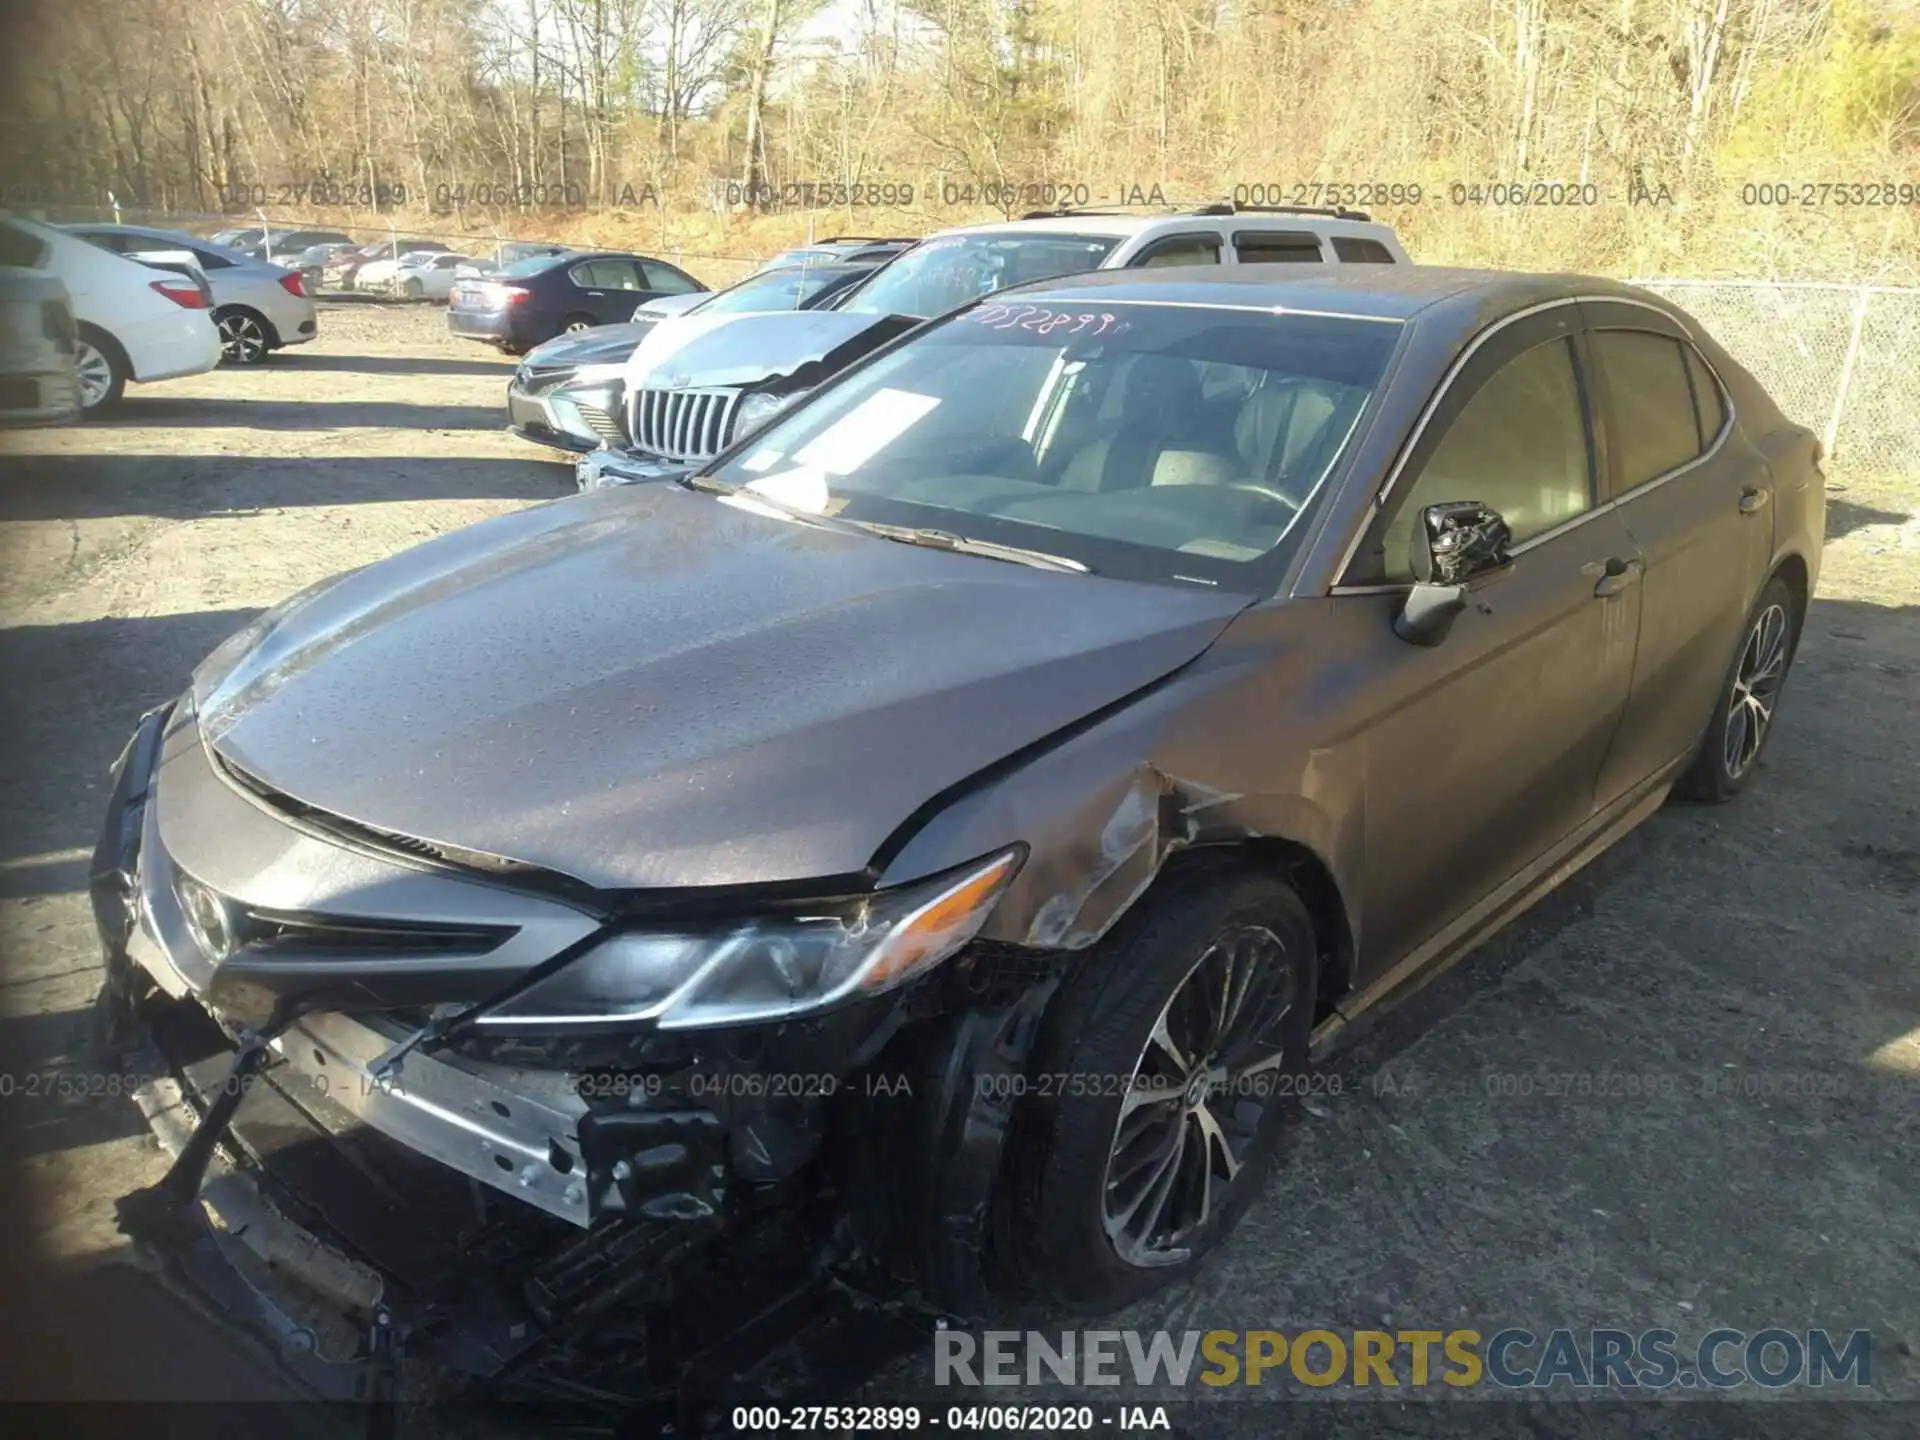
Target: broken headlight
770, 968
760, 408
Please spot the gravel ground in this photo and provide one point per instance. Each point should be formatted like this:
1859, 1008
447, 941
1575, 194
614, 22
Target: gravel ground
1463, 1176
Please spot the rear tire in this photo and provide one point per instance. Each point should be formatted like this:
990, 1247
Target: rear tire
244, 338
1159, 1121
103, 370
577, 322
1743, 713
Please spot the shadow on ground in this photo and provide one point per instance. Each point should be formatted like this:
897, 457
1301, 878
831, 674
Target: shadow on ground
83, 487
317, 413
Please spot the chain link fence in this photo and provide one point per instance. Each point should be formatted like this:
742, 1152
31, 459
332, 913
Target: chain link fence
1843, 360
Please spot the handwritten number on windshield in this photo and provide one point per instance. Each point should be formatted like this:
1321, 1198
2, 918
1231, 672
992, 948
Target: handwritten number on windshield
1043, 320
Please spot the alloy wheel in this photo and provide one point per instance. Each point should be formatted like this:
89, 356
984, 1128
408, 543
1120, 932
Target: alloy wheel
1756, 685
242, 338
96, 374
575, 326
1206, 1076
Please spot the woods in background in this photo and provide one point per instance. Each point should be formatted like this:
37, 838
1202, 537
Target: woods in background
1759, 137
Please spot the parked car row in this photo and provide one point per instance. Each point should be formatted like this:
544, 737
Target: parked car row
138, 314
689, 391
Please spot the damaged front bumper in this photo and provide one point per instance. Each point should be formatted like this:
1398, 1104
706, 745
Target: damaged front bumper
603, 468
353, 1205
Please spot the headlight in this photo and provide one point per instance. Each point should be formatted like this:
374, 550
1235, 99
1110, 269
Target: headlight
206, 917
764, 969
757, 410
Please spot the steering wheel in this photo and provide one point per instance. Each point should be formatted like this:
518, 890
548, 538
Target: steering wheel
1267, 492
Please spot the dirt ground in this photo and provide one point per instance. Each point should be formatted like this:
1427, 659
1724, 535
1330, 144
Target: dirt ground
1759, 961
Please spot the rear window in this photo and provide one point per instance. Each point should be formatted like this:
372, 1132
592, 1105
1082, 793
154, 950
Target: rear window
1277, 247
1354, 250
20, 247
1707, 400
1655, 426
532, 265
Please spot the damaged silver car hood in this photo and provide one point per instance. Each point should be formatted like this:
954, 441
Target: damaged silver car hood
654, 687
744, 349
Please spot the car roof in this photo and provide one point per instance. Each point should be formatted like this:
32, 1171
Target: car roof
1121, 224
1385, 292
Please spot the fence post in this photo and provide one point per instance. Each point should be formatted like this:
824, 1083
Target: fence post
1846, 371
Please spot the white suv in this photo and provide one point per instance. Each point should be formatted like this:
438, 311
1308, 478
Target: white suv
692, 388
1221, 234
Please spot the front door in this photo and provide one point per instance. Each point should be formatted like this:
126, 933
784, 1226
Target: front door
1484, 750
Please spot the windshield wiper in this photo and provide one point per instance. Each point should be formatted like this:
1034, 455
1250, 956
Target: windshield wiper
991, 550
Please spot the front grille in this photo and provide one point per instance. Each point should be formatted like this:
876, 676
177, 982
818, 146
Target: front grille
682, 424
282, 932
535, 378
605, 425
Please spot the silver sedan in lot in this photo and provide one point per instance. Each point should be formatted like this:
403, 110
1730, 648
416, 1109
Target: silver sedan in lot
258, 307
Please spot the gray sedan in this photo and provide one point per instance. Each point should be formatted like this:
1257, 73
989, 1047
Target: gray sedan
259, 307
962, 811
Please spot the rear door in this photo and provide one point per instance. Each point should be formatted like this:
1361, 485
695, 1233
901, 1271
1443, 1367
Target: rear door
1483, 752
1698, 502
607, 288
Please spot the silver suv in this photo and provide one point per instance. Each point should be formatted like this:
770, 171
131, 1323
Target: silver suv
693, 387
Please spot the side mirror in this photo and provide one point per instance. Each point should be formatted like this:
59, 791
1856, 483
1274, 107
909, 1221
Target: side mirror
1455, 548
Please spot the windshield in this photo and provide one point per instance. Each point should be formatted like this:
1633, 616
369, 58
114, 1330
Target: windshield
1157, 443
934, 277
773, 290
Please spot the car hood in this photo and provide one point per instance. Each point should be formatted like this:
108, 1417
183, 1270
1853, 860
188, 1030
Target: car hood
655, 687
599, 345
745, 349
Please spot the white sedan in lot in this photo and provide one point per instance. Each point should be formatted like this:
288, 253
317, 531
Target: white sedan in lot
258, 307
425, 275
135, 322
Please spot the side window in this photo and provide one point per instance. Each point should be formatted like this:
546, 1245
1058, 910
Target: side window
587, 275
1519, 445
114, 244
1179, 250
1277, 247
667, 280
1655, 428
1356, 250
1707, 400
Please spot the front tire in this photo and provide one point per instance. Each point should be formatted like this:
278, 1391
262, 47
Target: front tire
103, 370
243, 337
1174, 1056
1729, 754
412, 290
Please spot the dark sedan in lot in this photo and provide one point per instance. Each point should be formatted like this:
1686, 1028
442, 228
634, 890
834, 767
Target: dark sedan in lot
950, 816
567, 393
542, 296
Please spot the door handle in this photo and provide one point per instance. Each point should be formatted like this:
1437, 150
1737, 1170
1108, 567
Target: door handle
1615, 573
1752, 499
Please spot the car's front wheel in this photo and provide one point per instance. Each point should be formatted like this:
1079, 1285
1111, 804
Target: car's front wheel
1743, 715
1171, 1060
